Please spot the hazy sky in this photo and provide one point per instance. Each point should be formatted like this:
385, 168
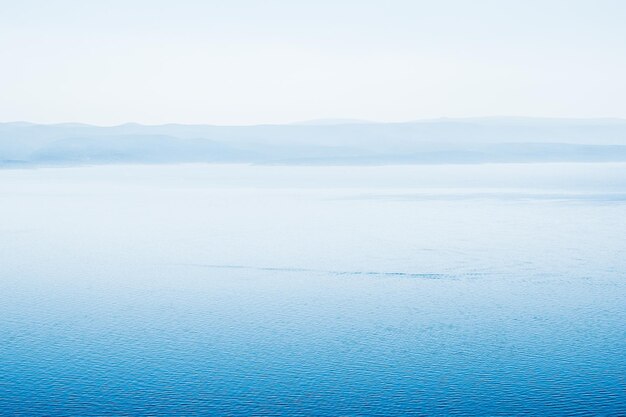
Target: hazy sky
274, 61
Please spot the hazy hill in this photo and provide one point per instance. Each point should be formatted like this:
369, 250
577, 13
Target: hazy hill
476, 140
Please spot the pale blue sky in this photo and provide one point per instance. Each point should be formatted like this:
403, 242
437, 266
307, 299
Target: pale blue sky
273, 61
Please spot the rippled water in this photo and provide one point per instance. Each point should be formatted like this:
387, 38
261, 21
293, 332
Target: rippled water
243, 290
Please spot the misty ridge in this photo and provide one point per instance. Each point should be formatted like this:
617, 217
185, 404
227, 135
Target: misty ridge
321, 142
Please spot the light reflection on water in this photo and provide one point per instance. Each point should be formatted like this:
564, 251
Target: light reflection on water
188, 295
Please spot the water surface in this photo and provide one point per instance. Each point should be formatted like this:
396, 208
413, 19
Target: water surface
269, 290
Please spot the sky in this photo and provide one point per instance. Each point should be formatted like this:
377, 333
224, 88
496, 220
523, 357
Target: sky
239, 62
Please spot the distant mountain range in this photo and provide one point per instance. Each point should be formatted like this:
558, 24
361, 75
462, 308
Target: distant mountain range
437, 141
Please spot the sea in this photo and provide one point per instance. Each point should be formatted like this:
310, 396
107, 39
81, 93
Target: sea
277, 290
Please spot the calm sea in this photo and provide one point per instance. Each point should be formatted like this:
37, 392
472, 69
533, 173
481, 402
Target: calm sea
313, 291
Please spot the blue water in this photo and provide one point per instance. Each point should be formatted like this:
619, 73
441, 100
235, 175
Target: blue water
212, 290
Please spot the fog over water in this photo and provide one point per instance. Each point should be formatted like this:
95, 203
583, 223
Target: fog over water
313, 290
312, 208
